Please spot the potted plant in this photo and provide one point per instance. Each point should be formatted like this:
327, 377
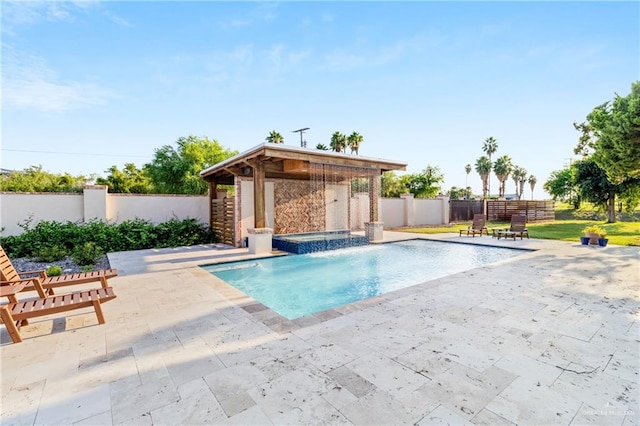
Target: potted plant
603, 240
592, 232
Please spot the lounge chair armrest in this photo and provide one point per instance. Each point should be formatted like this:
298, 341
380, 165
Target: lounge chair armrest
42, 273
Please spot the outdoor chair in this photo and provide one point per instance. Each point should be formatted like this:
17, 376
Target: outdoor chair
15, 314
8, 274
518, 228
478, 226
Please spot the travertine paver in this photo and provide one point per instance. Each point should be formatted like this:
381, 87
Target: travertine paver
548, 337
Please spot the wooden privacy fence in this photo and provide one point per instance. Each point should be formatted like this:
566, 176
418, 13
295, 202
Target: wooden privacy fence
463, 210
535, 211
223, 220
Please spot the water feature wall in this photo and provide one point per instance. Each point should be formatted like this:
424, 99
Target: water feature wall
339, 185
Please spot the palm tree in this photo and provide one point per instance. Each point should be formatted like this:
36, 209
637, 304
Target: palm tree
502, 168
467, 169
489, 147
354, 141
322, 147
483, 167
519, 175
274, 137
338, 142
532, 184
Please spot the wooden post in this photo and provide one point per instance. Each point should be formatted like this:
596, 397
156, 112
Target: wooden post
258, 194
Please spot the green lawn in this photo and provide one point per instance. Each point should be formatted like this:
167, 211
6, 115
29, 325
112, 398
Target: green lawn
620, 233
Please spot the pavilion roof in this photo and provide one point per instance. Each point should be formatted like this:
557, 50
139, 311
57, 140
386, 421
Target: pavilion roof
287, 162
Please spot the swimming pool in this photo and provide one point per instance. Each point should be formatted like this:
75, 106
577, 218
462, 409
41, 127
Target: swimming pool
298, 285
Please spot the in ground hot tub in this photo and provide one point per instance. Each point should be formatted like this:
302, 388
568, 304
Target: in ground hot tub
317, 241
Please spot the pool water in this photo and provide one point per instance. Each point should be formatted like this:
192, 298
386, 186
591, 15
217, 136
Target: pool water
298, 285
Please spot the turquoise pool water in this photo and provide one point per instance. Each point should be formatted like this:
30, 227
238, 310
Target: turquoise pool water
299, 285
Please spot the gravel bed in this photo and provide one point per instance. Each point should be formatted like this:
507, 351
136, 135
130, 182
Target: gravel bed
23, 264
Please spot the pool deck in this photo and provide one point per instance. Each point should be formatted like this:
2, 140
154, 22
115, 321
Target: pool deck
550, 337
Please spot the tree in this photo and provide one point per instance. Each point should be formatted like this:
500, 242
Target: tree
426, 184
612, 132
532, 184
490, 146
467, 169
274, 137
483, 167
502, 168
35, 179
322, 147
354, 141
456, 193
519, 175
596, 187
338, 142
129, 180
178, 171
561, 185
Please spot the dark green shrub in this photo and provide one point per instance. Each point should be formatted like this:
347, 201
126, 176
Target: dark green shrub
51, 254
87, 254
50, 236
54, 271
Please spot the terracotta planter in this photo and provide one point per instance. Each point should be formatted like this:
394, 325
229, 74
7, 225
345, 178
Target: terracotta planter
593, 238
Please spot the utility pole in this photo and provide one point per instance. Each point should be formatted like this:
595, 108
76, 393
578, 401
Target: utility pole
303, 144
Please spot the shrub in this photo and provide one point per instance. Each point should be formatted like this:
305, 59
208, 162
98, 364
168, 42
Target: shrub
87, 254
51, 254
51, 238
54, 271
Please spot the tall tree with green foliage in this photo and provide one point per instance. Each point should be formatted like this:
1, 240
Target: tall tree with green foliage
561, 185
467, 170
177, 171
393, 186
596, 187
35, 179
519, 176
322, 147
532, 183
338, 142
483, 168
354, 141
502, 168
274, 137
490, 146
426, 184
129, 180
612, 133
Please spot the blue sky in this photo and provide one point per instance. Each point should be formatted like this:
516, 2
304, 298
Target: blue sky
87, 85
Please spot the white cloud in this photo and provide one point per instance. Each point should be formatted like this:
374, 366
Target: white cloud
264, 12
27, 83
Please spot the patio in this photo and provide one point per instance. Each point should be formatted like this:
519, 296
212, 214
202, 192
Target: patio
547, 337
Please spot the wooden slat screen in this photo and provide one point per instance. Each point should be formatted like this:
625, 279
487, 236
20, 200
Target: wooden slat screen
463, 210
535, 211
223, 220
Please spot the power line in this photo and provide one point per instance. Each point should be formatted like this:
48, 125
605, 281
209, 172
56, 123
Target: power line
74, 153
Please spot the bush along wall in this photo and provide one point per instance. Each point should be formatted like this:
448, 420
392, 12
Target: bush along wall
49, 241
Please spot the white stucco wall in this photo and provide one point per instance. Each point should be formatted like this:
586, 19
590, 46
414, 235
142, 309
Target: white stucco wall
392, 212
157, 208
15, 208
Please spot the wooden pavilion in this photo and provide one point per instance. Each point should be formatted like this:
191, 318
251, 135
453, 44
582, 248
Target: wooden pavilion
293, 187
